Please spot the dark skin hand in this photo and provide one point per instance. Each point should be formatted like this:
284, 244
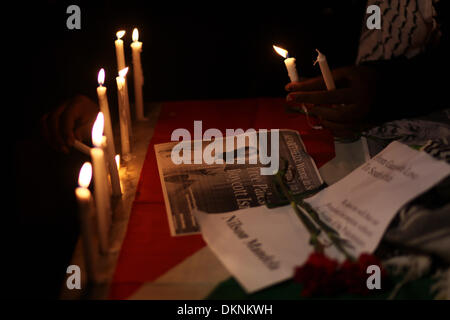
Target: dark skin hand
71, 120
345, 110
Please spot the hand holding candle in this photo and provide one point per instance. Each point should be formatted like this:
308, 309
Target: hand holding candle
289, 62
345, 110
293, 75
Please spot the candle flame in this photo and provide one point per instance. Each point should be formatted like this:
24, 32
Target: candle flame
97, 130
117, 158
281, 51
123, 72
101, 76
135, 35
120, 34
84, 178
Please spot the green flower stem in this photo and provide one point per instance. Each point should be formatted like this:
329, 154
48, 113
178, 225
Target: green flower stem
310, 226
312, 229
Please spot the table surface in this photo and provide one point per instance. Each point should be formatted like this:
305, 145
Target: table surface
200, 273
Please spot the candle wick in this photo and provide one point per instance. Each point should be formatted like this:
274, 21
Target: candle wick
317, 59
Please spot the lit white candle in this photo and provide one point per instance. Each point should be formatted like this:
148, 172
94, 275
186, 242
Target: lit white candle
120, 54
86, 211
289, 62
104, 107
124, 125
109, 145
136, 48
326, 72
101, 186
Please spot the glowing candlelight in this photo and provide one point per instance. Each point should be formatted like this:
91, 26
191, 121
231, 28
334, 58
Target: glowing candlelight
117, 158
97, 130
84, 178
289, 62
120, 34
123, 72
281, 52
101, 77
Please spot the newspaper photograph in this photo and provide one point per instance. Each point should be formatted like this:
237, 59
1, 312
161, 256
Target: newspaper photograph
219, 188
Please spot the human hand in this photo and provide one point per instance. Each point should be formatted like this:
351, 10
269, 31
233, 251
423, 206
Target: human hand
345, 111
71, 120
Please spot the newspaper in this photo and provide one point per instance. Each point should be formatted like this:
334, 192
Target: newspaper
219, 188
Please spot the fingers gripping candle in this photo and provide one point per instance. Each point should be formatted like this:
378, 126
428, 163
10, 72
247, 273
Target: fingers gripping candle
289, 62
293, 75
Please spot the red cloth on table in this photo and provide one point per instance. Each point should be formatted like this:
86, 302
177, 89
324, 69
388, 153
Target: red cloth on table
148, 250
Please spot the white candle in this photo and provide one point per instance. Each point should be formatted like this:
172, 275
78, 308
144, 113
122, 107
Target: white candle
104, 107
85, 207
326, 72
289, 62
109, 147
136, 48
101, 186
113, 170
123, 119
80, 146
120, 56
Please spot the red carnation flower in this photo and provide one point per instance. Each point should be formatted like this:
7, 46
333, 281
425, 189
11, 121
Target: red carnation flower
354, 275
322, 275
317, 275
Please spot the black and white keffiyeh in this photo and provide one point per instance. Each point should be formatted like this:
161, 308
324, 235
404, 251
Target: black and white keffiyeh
407, 26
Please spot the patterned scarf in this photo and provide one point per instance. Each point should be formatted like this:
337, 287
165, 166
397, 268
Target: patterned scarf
407, 28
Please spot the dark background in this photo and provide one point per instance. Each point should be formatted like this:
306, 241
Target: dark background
213, 50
